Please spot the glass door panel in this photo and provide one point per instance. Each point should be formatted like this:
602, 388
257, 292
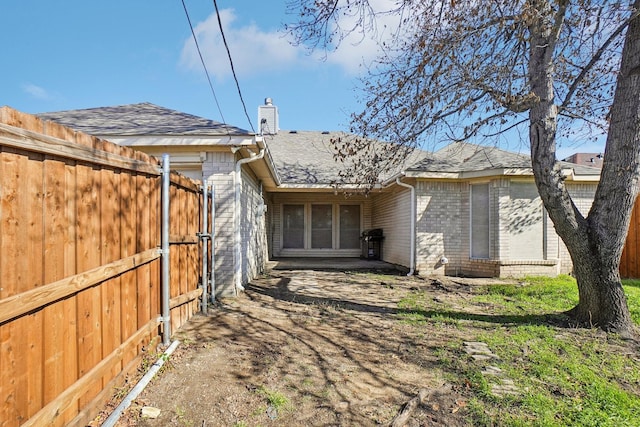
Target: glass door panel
349, 227
322, 226
293, 226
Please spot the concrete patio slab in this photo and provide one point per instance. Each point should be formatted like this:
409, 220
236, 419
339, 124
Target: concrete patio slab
340, 264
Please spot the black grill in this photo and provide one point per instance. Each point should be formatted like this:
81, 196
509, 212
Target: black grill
372, 243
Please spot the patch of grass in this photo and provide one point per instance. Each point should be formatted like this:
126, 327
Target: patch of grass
574, 378
632, 291
276, 399
413, 308
181, 414
259, 410
565, 377
533, 295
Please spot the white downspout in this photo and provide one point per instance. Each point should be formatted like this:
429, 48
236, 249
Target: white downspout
412, 262
237, 253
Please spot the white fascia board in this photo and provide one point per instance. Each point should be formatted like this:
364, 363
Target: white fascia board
497, 172
470, 174
585, 178
270, 164
430, 174
165, 140
317, 187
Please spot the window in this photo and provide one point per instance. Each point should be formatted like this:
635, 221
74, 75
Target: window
480, 221
321, 226
349, 226
293, 226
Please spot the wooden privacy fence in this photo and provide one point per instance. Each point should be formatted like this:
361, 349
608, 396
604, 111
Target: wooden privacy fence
80, 267
629, 265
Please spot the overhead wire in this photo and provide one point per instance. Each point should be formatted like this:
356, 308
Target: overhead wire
195, 40
233, 71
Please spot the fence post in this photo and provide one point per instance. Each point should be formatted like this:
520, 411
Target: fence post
213, 244
204, 237
165, 292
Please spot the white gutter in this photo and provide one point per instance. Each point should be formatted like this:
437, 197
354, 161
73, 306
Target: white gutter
412, 262
237, 263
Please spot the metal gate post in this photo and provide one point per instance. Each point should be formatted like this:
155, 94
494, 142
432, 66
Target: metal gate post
166, 313
213, 245
204, 237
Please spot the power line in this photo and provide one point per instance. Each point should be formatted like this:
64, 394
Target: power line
233, 71
195, 40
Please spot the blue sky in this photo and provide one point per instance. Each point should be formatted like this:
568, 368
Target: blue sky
83, 53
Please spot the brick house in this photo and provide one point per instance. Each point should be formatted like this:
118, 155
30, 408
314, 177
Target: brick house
463, 210
586, 159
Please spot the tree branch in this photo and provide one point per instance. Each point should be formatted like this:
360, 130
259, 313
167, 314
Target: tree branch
594, 59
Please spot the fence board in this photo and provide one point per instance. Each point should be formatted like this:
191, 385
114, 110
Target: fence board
32, 267
183, 252
629, 263
53, 409
174, 255
11, 387
54, 264
110, 225
143, 242
183, 299
128, 304
9, 185
31, 141
634, 265
25, 302
154, 238
89, 300
69, 304
9, 227
194, 227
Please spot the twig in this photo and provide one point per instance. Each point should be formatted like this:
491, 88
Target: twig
408, 408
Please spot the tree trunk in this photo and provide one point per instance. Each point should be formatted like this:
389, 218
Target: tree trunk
602, 301
595, 243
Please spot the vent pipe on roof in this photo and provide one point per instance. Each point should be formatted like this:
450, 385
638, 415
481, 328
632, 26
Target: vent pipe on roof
268, 118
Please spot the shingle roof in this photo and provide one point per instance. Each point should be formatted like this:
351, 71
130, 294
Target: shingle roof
139, 119
303, 157
465, 157
307, 157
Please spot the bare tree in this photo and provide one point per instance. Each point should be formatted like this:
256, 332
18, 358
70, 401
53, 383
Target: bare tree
462, 69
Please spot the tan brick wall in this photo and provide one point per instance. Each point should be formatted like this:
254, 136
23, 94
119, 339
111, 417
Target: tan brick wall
442, 226
522, 238
582, 195
392, 212
253, 228
218, 168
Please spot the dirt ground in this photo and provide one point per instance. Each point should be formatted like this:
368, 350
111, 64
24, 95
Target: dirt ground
308, 348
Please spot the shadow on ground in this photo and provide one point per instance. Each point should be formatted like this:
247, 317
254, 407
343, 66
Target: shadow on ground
332, 345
